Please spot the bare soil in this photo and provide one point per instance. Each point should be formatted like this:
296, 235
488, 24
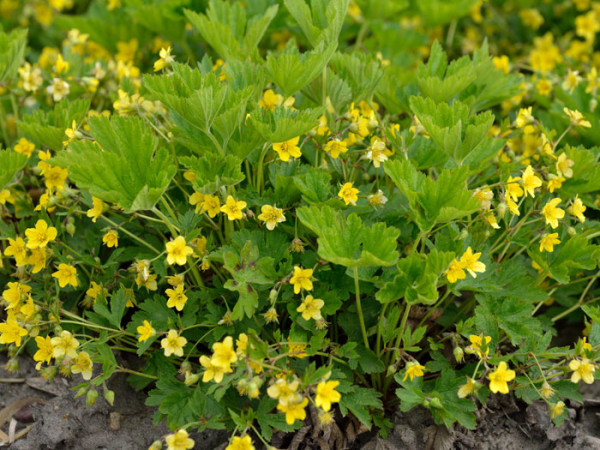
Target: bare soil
56, 420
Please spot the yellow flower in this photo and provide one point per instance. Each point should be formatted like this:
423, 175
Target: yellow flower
224, 354
335, 147
211, 371
500, 377
552, 213
546, 390
582, 370
211, 205
15, 292
301, 279
58, 89
270, 100
571, 81
65, 345
413, 369
377, 199
377, 152
477, 345
293, 411
173, 344
326, 394
111, 239
16, 248
530, 181
271, 315
513, 190
544, 87
66, 274
548, 242
177, 298
240, 443
348, 194
145, 331
178, 251
233, 208
271, 215
165, 59
45, 350
512, 206
587, 25
197, 199
576, 118
37, 259
469, 261
524, 117
10, 332
288, 149
6, 197
94, 290
556, 409
39, 236
554, 182
96, 210
577, 209
467, 388
455, 271
311, 308
24, 147
501, 63
531, 17
283, 391
484, 196
83, 365
491, 219
563, 166
179, 440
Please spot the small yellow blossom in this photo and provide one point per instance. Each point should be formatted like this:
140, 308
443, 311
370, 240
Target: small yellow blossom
96, 210
145, 331
111, 239
41, 235
224, 354
196, 199
552, 213
66, 274
530, 181
548, 242
311, 308
45, 350
335, 148
165, 60
211, 371
513, 189
576, 118
58, 89
348, 193
467, 389
455, 271
271, 215
177, 298
233, 208
173, 344
326, 394
554, 182
582, 370
524, 117
377, 199
301, 279
577, 209
470, 262
491, 219
211, 205
544, 87
546, 390
17, 249
500, 377
83, 364
413, 369
11, 331
288, 149
484, 196
502, 63
179, 440
270, 100
54, 178
479, 345
24, 147
563, 166
65, 345
293, 411
240, 443
178, 251
37, 259
556, 409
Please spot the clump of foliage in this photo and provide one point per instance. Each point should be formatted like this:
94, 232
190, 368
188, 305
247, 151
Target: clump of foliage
291, 209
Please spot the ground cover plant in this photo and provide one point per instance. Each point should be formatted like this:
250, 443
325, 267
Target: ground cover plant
287, 209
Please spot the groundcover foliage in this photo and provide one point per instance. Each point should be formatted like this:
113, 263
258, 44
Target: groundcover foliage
292, 208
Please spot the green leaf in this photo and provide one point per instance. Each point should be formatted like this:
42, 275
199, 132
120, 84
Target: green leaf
227, 29
314, 185
12, 50
291, 70
48, 127
283, 124
433, 201
213, 171
127, 168
322, 21
359, 401
348, 241
361, 71
10, 164
368, 360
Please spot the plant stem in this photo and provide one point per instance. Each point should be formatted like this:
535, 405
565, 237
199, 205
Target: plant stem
359, 308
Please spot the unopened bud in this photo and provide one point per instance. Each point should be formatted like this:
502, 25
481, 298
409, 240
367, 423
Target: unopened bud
435, 402
459, 354
109, 396
191, 378
91, 397
571, 231
501, 209
593, 104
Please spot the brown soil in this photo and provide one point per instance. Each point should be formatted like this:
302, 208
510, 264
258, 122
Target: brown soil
63, 422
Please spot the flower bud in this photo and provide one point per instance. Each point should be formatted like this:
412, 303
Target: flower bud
70, 226
571, 231
91, 397
459, 354
191, 379
464, 234
435, 402
501, 209
109, 396
593, 104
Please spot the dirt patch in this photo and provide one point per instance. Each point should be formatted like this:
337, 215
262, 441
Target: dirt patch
64, 422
